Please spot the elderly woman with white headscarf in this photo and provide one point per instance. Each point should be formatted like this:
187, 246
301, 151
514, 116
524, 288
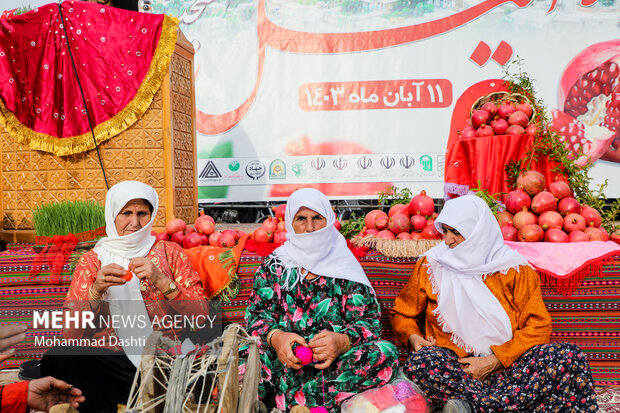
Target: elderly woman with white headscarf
313, 292
486, 342
160, 271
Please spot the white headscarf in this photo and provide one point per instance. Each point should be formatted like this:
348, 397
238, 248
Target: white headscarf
322, 252
127, 299
465, 306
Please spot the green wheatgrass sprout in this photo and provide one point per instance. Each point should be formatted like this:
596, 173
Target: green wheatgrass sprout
66, 217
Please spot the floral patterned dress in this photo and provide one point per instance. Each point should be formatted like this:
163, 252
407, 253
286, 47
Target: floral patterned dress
312, 306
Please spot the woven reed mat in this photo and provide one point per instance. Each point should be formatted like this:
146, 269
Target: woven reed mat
398, 248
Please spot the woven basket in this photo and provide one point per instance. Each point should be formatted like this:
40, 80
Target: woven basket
498, 97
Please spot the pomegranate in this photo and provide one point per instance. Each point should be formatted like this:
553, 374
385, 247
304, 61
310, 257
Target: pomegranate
526, 108
386, 234
485, 130
376, 219
594, 234
504, 218
550, 219
178, 237
578, 236
370, 231
574, 222
499, 126
605, 234
205, 227
556, 235
204, 239
270, 224
532, 129
523, 218
233, 233
591, 215
282, 226
416, 235
403, 235
518, 118
531, 233
279, 211
479, 118
505, 110
399, 223
192, 240
490, 108
468, 133
515, 130
337, 225
615, 238
417, 222
560, 190
588, 100
226, 240
399, 209
262, 234
509, 233
213, 239
190, 229
542, 202
162, 236
279, 238
175, 225
569, 205
422, 204
430, 232
531, 182
517, 200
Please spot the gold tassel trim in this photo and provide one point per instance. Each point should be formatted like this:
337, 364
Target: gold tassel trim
398, 248
116, 124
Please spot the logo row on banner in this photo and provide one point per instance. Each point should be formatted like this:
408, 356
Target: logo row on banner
320, 169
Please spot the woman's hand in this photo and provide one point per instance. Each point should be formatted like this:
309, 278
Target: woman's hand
46, 392
479, 368
327, 346
417, 342
108, 276
144, 269
10, 335
282, 342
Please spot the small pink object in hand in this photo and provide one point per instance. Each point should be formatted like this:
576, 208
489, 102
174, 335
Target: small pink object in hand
304, 354
319, 409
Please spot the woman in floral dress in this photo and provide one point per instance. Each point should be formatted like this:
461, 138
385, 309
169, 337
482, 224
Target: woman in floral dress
312, 292
485, 346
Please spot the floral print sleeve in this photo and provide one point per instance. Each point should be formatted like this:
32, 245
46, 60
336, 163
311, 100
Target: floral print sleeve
262, 313
361, 312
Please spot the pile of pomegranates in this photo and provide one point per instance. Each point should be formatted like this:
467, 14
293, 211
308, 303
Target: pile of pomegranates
415, 220
536, 212
201, 233
507, 118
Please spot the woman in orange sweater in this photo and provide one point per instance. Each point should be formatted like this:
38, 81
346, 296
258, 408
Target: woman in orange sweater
473, 317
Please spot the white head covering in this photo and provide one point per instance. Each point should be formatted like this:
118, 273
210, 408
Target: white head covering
322, 252
127, 299
465, 306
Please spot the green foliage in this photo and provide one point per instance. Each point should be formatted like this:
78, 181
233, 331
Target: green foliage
393, 195
547, 144
351, 227
22, 10
491, 200
67, 216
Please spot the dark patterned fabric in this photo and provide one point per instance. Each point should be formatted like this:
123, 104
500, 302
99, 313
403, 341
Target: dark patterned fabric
547, 378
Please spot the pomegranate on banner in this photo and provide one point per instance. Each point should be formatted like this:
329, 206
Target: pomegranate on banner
588, 118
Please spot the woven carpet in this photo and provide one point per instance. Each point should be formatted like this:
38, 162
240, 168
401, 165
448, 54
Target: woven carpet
590, 317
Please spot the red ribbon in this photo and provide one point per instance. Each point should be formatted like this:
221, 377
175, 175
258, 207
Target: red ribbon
56, 255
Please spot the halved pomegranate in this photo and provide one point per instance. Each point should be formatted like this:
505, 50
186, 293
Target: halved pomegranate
589, 101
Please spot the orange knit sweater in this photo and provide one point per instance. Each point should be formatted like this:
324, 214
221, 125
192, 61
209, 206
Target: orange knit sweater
517, 291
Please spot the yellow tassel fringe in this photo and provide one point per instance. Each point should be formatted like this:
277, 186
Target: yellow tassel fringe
113, 126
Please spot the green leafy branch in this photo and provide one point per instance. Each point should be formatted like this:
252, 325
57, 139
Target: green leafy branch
391, 195
547, 144
352, 227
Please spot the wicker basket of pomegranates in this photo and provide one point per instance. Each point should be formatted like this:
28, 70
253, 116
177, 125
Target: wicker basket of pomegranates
501, 113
